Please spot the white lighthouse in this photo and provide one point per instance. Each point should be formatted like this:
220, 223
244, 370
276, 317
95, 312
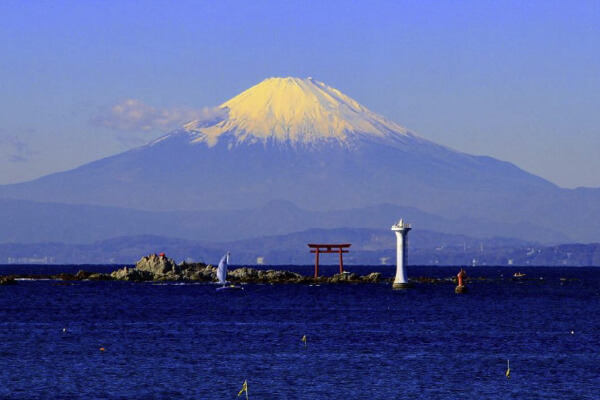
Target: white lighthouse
401, 229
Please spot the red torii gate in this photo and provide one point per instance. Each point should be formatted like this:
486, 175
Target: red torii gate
328, 248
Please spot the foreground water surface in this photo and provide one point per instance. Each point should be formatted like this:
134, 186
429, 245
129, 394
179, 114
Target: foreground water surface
363, 341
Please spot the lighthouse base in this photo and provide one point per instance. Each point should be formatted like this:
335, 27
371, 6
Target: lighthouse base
398, 285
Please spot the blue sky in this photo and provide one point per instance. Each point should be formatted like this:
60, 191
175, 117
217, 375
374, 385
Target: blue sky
516, 80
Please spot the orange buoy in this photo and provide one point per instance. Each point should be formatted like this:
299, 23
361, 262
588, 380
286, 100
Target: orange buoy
102, 349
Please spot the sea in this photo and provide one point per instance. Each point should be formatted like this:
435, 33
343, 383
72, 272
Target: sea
123, 340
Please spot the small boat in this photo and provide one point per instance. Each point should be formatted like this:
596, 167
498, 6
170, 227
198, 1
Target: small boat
518, 275
222, 275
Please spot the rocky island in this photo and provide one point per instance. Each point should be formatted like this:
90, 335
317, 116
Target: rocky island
161, 268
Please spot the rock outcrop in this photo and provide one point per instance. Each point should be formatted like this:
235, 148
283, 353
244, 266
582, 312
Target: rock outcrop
161, 268
251, 275
158, 265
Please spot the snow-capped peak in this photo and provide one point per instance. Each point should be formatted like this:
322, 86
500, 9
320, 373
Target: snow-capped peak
297, 111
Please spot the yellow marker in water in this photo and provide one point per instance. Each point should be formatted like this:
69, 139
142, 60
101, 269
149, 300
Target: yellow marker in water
304, 339
508, 370
244, 389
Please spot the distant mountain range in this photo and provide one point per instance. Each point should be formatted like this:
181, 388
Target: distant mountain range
285, 156
30, 222
369, 247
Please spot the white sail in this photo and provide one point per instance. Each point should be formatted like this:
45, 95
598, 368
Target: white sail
222, 269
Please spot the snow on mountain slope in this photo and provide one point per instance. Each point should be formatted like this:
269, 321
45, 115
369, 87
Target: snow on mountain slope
299, 112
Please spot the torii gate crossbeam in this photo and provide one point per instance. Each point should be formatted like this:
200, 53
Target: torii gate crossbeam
328, 248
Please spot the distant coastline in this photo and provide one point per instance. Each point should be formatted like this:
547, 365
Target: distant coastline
285, 250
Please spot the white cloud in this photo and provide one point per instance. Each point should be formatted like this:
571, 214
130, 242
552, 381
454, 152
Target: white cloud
135, 115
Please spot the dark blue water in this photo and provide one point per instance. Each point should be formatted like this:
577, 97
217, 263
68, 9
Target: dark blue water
364, 341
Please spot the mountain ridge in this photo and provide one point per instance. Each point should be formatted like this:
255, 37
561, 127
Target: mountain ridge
29, 222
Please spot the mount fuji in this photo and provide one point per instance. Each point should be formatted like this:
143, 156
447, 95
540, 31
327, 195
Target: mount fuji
303, 142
